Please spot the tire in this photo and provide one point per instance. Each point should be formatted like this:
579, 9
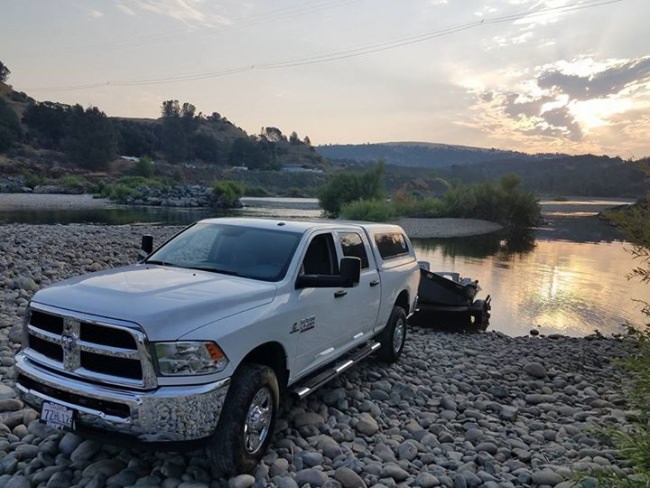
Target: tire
393, 336
247, 421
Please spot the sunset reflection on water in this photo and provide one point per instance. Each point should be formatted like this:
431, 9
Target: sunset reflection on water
570, 288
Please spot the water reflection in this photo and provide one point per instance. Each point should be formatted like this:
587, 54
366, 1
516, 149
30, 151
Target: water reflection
117, 215
481, 246
570, 280
562, 287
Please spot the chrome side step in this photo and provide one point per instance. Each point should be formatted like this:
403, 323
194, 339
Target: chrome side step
313, 382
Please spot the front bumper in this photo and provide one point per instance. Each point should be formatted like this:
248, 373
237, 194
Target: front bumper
166, 414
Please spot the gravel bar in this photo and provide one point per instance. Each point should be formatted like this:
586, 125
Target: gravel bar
458, 410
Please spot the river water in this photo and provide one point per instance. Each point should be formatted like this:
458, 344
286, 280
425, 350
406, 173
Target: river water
568, 276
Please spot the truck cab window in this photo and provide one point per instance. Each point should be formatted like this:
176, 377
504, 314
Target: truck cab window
320, 257
352, 245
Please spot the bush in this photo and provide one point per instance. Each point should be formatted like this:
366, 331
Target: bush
119, 192
144, 167
371, 210
634, 442
128, 187
74, 183
348, 187
32, 180
226, 194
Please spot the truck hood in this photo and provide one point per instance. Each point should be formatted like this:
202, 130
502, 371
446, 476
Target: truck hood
166, 302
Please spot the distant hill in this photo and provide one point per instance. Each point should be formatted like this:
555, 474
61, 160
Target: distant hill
418, 154
551, 174
87, 139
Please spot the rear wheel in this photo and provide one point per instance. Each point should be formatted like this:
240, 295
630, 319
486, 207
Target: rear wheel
393, 336
247, 421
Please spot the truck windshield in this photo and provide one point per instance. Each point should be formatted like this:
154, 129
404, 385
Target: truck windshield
249, 252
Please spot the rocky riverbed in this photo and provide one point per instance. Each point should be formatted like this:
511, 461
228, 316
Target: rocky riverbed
482, 410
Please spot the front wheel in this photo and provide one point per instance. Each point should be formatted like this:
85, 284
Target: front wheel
247, 421
393, 336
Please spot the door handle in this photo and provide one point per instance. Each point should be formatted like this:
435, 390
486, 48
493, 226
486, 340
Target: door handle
340, 293
374, 282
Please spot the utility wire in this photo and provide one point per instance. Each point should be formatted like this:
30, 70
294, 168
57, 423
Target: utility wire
233, 24
341, 54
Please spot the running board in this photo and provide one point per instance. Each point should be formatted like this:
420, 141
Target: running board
312, 383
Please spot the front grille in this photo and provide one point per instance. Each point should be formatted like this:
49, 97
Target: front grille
46, 348
109, 408
89, 349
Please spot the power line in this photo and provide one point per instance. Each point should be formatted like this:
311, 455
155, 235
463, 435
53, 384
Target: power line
237, 23
341, 54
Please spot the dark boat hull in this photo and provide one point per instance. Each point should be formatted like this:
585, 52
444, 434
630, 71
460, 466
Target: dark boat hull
446, 301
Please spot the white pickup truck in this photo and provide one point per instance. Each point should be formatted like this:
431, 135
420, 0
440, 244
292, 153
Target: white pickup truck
200, 339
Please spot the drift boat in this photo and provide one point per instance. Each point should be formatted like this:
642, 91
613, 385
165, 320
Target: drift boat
447, 299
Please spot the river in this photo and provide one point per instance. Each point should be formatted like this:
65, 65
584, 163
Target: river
568, 277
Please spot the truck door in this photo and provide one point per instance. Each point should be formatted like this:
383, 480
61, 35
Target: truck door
363, 300
319, 316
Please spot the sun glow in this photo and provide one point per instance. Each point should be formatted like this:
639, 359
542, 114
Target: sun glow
598, 112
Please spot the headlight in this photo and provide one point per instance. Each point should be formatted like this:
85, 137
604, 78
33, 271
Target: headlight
189, 358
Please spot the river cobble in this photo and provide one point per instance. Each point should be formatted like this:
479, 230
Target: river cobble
458, 410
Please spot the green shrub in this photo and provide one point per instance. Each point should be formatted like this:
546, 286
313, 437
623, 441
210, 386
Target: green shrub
226, 194
348, 187
74, 183
119, 192
634, 442
32, 180
370, 210
144, 167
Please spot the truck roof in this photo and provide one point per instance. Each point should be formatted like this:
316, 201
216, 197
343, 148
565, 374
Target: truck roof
300, 226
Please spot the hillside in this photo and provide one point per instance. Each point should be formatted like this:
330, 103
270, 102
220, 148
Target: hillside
416, 154
420, 167
50, 138
42, 141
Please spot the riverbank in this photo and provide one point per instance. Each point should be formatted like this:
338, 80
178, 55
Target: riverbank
482, 410
415, 228
35, 201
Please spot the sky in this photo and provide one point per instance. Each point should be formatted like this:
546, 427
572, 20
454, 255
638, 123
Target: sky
567, 76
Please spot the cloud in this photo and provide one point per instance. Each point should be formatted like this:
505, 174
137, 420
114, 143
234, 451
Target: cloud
96, 14
598, 84
571, 103
191, 12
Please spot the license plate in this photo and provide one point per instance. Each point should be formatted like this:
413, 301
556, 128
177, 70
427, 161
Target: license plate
57, 416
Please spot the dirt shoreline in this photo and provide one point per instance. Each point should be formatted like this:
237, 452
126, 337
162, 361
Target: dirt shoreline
415, 228
35, 201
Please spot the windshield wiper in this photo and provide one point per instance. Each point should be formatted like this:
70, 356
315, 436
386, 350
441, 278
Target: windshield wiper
216, 270
162, 263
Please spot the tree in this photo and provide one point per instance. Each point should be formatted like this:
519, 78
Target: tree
46, 122
171, 108
273, 134
136, 138
91, 139
349, 187
251, 153
144, 167
10, 131
4, 72
205, 147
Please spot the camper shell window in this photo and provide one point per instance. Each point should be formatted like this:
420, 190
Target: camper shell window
391, 245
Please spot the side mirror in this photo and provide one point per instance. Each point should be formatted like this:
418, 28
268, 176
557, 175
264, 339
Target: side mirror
350, 271
146, 246
348, 277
